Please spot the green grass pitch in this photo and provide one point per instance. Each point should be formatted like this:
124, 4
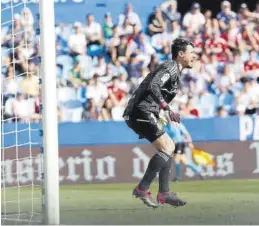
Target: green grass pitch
209, 202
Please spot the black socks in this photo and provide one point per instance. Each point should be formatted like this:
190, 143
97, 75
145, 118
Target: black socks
159, 162
164, 175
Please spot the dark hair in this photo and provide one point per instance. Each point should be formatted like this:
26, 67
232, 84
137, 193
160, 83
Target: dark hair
114, 78
179, 44
220, 108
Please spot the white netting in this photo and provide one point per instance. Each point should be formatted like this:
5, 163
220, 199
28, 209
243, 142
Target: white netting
21, 199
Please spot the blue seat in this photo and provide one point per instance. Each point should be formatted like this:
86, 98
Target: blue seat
162, 57
5, 52
67, 63
207, 104
95, 50
59, 71
226, 100
81, 94
71, 104
4, 30
66, 31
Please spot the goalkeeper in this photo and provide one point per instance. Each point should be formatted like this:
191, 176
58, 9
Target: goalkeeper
183, 142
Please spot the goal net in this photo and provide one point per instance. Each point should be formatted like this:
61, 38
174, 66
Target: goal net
21, 158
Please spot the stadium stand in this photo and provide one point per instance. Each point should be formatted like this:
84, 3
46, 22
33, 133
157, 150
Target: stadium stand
99, 65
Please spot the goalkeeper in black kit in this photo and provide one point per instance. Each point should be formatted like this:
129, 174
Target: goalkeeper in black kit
142, 114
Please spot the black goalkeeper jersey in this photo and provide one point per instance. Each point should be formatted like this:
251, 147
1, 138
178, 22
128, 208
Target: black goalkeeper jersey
160, 85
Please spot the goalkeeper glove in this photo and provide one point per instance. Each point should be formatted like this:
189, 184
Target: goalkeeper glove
174, 117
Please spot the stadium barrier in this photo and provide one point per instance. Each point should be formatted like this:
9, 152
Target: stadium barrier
126, 163
117, 133
106, 152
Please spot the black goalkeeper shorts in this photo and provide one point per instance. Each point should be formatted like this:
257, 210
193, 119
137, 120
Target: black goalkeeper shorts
145, 124
179, 148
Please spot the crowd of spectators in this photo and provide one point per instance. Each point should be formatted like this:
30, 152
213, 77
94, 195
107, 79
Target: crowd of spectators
100, 65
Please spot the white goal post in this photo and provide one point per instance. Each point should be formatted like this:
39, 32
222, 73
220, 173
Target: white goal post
50, 118
22, 168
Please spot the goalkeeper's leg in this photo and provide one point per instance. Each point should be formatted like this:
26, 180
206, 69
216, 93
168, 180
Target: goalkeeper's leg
146, 126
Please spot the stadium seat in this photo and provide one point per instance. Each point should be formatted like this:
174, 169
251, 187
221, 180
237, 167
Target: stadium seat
226, 100
86, 63
4, 52
4, 31
66, 62
66, 31
207, 105
71, 115
95, 50
69, 104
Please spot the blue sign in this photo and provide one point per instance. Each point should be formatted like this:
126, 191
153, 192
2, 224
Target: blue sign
96, 133
249, 128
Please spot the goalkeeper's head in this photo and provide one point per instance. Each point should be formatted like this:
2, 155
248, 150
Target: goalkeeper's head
183, 52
